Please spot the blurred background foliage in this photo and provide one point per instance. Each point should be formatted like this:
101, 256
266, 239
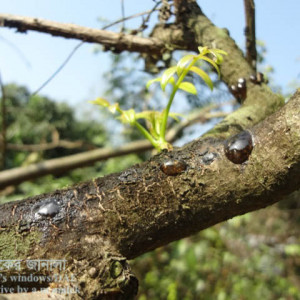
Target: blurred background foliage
253, 256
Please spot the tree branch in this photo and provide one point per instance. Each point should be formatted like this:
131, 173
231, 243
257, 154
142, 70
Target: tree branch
95, 226
48, 146
250, 33
115, 41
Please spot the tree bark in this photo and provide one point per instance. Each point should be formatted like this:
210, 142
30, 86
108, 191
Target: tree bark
96, 226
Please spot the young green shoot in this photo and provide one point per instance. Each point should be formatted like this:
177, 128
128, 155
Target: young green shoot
175, 76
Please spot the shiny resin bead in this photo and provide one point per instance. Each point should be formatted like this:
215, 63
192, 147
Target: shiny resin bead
173, 167
239, 147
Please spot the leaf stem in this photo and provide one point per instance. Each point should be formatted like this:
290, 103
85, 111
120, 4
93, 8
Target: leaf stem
147, 135
175, 88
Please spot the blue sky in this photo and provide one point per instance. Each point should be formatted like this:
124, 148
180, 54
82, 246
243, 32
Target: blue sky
278, 26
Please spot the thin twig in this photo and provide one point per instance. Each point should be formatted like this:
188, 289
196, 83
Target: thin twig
58, 70
146, 20
123, 15
130, 17
3, 131
17, 50
251, 52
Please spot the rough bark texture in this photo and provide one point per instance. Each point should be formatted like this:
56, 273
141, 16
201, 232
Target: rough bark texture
97, 226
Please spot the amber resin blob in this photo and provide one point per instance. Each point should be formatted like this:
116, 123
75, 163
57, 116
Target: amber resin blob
239, 147
173, 167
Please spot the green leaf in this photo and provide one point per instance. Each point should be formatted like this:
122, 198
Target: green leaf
172, 81
156, 124
183, 62
143, 115
128, 116
104, 103
147, 115
220, 51
101, 102
175, 116
188, 87
155, 119
167, 75
152, 81
209, 60
203, 50
219, 58
115, 107
203, 75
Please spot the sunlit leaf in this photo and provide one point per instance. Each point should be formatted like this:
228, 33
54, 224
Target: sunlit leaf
219, 58
156, 125
220, 51
183, 62
152, 81
154, 118
203, 50
156, 121
128, 116
203, 75
209, 60
188, 87
101, 102
115, 107
167, 75
172, 81
147, 115
175, 116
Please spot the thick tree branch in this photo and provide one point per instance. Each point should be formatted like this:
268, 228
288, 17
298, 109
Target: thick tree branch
97, 225
114, 41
